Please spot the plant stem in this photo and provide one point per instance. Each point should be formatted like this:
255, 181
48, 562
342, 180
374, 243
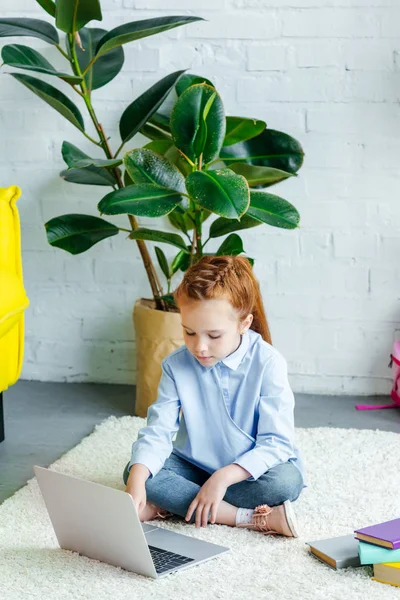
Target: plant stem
91, 139
76, 90
62, 52
193, 247
189, 217
191, 208
148, 265
191, 163
89, 65
198, 219
199, 248
119, 149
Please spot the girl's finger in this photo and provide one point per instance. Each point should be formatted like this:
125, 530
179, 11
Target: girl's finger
191, 510
206, 512
214, 510
199, 511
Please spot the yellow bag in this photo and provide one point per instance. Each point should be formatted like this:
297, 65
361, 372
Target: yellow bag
13, 298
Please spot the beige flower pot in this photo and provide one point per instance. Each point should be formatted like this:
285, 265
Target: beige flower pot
158, 333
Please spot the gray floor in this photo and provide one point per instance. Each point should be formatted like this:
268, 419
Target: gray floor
45, 420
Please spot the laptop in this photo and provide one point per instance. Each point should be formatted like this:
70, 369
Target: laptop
101, 522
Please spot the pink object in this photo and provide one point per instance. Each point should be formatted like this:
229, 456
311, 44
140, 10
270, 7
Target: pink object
395, 393
275, 520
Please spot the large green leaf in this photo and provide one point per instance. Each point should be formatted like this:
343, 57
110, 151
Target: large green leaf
189, 79
162, 261
143, 200
71, 154
74, 157
269, 149
222, 226
23, 57
127, 179
264, 176
180, 220
220, 191
29, 27
239, 129
231, 246
166, 148
140, 29
198, 123
159, 146
72, 15
88, 176
184, 219
78, 173
141, 109
59, 101
104, 69
145, 166
176, 158
161, 120
179, 260
49, 6
108, 163
154, 133
273, 210
75, 233
151, 235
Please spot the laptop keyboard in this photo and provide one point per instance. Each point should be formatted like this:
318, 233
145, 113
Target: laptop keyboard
164, 560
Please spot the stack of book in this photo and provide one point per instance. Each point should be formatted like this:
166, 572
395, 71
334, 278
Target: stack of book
377, 545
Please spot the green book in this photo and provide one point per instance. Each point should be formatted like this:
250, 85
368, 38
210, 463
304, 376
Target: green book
370, 554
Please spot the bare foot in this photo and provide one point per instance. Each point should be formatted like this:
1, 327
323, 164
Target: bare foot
149, 512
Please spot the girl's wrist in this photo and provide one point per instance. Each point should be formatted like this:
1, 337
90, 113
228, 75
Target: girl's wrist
232, 474
139, 473
221, 478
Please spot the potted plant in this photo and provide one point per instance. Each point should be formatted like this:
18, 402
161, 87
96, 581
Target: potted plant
199, 162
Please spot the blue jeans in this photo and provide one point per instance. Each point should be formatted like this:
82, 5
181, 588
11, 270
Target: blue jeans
177, 484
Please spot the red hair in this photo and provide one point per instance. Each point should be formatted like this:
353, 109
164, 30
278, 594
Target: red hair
229, 277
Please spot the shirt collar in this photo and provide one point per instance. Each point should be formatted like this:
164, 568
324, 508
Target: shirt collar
234, 359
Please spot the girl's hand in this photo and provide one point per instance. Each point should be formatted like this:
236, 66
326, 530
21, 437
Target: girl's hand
208, 499
138, 493
135, 486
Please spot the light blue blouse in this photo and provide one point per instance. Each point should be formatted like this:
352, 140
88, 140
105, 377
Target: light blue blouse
239, 410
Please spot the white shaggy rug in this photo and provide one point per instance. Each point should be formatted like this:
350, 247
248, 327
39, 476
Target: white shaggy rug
354, 480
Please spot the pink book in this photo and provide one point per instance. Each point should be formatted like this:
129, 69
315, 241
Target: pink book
384, 534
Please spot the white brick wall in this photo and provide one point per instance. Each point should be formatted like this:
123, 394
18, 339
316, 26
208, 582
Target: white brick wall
324, 71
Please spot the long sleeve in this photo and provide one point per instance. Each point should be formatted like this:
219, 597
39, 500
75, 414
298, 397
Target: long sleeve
154, 443
275, 431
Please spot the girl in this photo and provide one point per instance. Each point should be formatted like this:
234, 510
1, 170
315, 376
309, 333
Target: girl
234, 460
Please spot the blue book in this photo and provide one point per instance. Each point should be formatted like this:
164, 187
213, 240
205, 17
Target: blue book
370, 554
